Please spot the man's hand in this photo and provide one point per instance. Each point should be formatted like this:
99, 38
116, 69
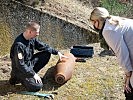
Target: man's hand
61, 56
37, 78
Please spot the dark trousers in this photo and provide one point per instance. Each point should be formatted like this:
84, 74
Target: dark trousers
43, 59
129, 96
30, 83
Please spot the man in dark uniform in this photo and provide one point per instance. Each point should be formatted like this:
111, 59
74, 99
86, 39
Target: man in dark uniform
26, 64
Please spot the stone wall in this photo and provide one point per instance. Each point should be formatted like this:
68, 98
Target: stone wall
54, 31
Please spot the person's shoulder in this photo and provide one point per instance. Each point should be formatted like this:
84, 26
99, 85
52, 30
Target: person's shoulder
19, 45
108, 25
18, 40
18, 37
129, 21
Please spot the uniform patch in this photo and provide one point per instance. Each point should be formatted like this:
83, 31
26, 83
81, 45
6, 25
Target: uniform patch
20, 56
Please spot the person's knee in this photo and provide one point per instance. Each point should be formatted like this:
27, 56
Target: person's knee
46, 54
43, 57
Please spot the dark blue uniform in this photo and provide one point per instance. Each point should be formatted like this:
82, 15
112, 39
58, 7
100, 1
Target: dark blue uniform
25, 63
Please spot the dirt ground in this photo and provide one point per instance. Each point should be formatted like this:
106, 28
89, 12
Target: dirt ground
99, 78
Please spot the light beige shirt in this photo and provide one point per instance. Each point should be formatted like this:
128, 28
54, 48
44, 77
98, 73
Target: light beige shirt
120, 39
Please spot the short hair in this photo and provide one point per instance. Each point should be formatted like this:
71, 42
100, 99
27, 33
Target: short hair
32, 26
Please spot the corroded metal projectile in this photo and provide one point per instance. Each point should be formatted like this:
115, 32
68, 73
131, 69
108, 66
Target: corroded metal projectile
64, 68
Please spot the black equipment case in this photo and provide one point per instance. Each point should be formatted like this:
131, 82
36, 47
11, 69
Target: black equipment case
82, 51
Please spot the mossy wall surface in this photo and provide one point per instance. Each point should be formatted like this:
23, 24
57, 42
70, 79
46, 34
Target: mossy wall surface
54, 31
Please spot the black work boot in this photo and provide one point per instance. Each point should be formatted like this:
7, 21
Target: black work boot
14, 81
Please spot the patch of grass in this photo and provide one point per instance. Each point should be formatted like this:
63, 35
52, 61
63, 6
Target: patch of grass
117, 8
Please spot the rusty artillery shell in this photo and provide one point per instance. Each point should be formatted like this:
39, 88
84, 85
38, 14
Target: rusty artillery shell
64, 68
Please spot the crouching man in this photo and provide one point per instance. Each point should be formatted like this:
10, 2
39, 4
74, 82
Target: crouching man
25, 63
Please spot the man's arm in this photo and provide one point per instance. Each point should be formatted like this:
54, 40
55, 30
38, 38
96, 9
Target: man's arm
19, 61
45, 47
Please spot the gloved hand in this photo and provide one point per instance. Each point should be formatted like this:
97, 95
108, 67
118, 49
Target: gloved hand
61, 56
37, 78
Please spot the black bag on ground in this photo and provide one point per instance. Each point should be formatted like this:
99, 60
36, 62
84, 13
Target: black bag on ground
82, 51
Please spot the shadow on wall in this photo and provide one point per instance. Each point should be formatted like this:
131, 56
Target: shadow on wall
5, 38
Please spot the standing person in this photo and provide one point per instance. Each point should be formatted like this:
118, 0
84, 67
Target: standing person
26, 64
118, 33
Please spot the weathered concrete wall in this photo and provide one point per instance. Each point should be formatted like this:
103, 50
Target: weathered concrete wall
54, 31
